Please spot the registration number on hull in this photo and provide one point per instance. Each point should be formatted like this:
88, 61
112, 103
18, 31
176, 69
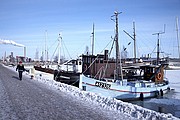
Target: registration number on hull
102, 85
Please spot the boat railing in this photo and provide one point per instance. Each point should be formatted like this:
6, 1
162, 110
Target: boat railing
141, 83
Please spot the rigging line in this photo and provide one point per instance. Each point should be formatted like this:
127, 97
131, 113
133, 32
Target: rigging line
96, 58
143, 37
63, 51
108, 60
141, 42
75, 82
107, 45
54, 52
80, 46
147, 46
153, 51
91, 64
52, 45
100, 70
66, 49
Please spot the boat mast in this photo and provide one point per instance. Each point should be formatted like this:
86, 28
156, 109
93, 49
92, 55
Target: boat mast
134, 42
117, 47
158, 46
93, 40
134, 38
59, 47
177, 29
45, 56
118, 59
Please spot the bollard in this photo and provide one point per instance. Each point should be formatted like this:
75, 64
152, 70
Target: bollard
141, 97
161, 92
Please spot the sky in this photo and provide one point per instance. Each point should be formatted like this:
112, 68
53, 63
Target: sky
37, 24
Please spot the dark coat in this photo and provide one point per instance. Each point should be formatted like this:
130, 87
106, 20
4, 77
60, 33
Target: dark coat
20, 68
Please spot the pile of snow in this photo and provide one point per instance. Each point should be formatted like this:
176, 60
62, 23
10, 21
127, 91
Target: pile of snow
107, 103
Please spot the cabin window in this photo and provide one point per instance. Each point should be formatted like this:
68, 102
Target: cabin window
101, 61
88, 60
84, 60
80, 63
149, 70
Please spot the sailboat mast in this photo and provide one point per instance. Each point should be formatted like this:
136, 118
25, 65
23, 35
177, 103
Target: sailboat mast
134, 42
93, 40
177, 29
45, 56
59, 48
118, 59
158, 44
134, 38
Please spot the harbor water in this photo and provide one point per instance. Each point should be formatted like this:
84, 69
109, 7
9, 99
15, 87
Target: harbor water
169, 103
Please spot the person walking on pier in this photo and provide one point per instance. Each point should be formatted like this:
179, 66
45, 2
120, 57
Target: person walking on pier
21, 69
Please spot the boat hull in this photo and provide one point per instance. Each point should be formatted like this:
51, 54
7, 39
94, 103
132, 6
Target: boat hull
121, 90
69, 78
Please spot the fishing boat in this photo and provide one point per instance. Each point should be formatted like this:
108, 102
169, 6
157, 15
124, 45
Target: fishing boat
67, 72
148, 84
140, 82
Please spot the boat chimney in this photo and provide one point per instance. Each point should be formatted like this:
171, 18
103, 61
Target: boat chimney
106, 55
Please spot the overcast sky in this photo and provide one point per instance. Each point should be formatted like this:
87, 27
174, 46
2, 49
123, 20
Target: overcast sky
26, 22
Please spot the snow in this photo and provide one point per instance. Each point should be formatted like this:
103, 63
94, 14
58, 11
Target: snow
118, 106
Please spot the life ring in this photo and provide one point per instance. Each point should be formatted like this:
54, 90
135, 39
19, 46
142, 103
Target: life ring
159, 76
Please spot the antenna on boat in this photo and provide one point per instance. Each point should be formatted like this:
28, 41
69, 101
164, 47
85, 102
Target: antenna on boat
158, 42
134, 38
118, 66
